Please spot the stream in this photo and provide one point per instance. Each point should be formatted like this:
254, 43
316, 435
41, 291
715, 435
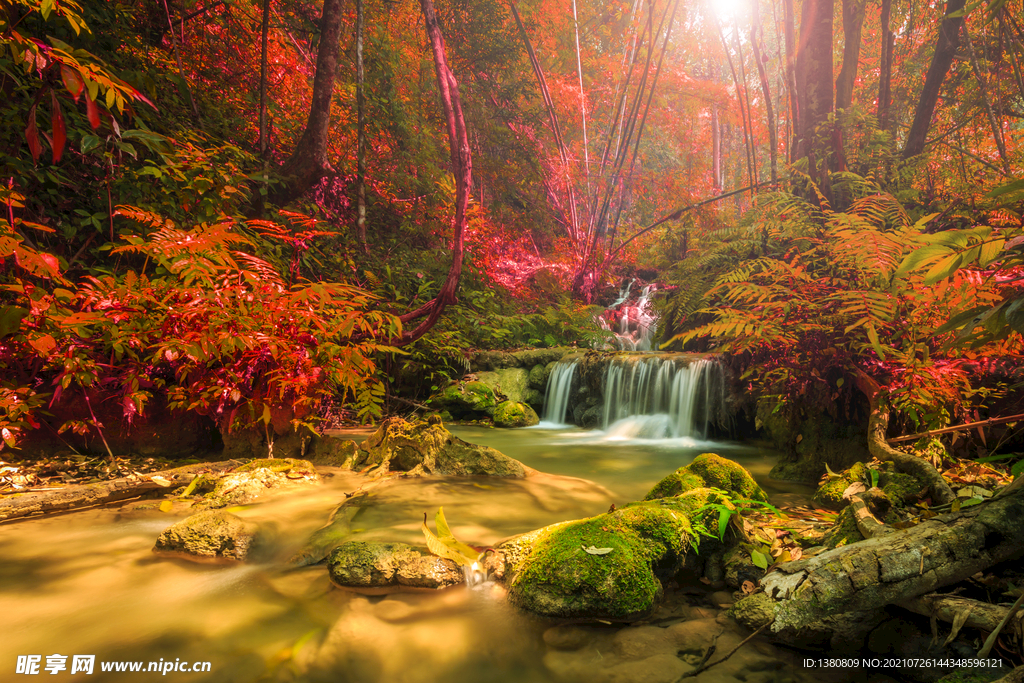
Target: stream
87, 583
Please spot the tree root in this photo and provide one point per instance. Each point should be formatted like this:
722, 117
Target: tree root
878, 422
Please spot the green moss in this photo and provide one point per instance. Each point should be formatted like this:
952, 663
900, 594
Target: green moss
513, 414
830, 494
558, 578
709, 470
754, 611
844, 531
900, 487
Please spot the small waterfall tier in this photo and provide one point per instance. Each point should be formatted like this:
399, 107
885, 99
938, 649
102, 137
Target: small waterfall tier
556, 396
657, 398
638, 396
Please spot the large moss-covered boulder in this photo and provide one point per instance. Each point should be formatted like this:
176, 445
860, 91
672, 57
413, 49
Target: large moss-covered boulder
515, 414
539, 375
607, 567
429, 448
709, 470
210, 535
361, 564
466, 400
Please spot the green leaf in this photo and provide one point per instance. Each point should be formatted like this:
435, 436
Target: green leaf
873, 338
759, 559
596, 551
443, 549
10, 319
943, 269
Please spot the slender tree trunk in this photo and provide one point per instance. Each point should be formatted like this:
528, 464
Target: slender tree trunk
360, 127
745, 94
716, 151
997, 132
885, 67
853, 22
773, 132
264, 31
583, 99
789, 24
942, 59
739, 96
308, 162
462, 169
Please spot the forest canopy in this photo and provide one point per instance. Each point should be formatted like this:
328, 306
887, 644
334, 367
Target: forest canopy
259, 210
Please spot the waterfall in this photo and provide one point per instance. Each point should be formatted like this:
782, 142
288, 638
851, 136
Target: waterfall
556, 396
662, 397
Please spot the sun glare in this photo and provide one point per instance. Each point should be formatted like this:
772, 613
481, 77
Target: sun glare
728, 9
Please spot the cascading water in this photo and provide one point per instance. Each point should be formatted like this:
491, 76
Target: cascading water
636, 323
659, 398
556, 396
645, 396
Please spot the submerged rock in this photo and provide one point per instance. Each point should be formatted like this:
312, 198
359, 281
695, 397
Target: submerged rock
256, 478
362, 564
709, 470
429, 448
513, 414
210, 535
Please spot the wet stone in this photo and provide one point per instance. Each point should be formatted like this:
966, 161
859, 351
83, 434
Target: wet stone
566, 637
641, 642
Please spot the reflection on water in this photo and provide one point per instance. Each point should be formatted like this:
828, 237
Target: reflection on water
88, 583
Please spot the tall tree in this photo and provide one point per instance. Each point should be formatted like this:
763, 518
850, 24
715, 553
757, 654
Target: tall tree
942, 59
853, 22
308, 162
814, 83
360, 127
885, 67
756, 35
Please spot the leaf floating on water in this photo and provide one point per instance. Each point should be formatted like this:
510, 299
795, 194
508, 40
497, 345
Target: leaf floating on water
597, 551
166, 506
445, 545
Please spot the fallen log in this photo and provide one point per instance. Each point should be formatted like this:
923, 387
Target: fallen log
17, 506
893, 567
983, 616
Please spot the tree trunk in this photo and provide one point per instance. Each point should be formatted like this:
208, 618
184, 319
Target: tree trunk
360, 128
308, 162
853, 21
997, 132
942, 59
773, 133
264, 31
885, 67
895, 567
716, 151
814, 84
789, 21
462, 169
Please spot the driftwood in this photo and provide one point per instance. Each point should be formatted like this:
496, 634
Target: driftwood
22, 505
878, 422
895, 566
1015, 676
983, 616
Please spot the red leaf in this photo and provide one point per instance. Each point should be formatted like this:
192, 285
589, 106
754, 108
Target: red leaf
93, 111
72, 81
60, 133
32, 135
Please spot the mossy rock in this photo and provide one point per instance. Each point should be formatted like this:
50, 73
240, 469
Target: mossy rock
553, 575
256, 478
709, 470
210, 535
539, 375
510, 383
514, 414
429, 448
844, 531
754, 611
466, 400
363, 564
899, 487
334, 452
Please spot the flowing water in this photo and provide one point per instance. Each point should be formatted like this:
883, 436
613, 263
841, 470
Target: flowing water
87, 583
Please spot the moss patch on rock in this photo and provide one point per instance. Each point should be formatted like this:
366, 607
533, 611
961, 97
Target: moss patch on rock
466, 400
554, 575
362, 564
512, 383
754, 611
429, 448
899, 487
709, 470
256, 478
511, 414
